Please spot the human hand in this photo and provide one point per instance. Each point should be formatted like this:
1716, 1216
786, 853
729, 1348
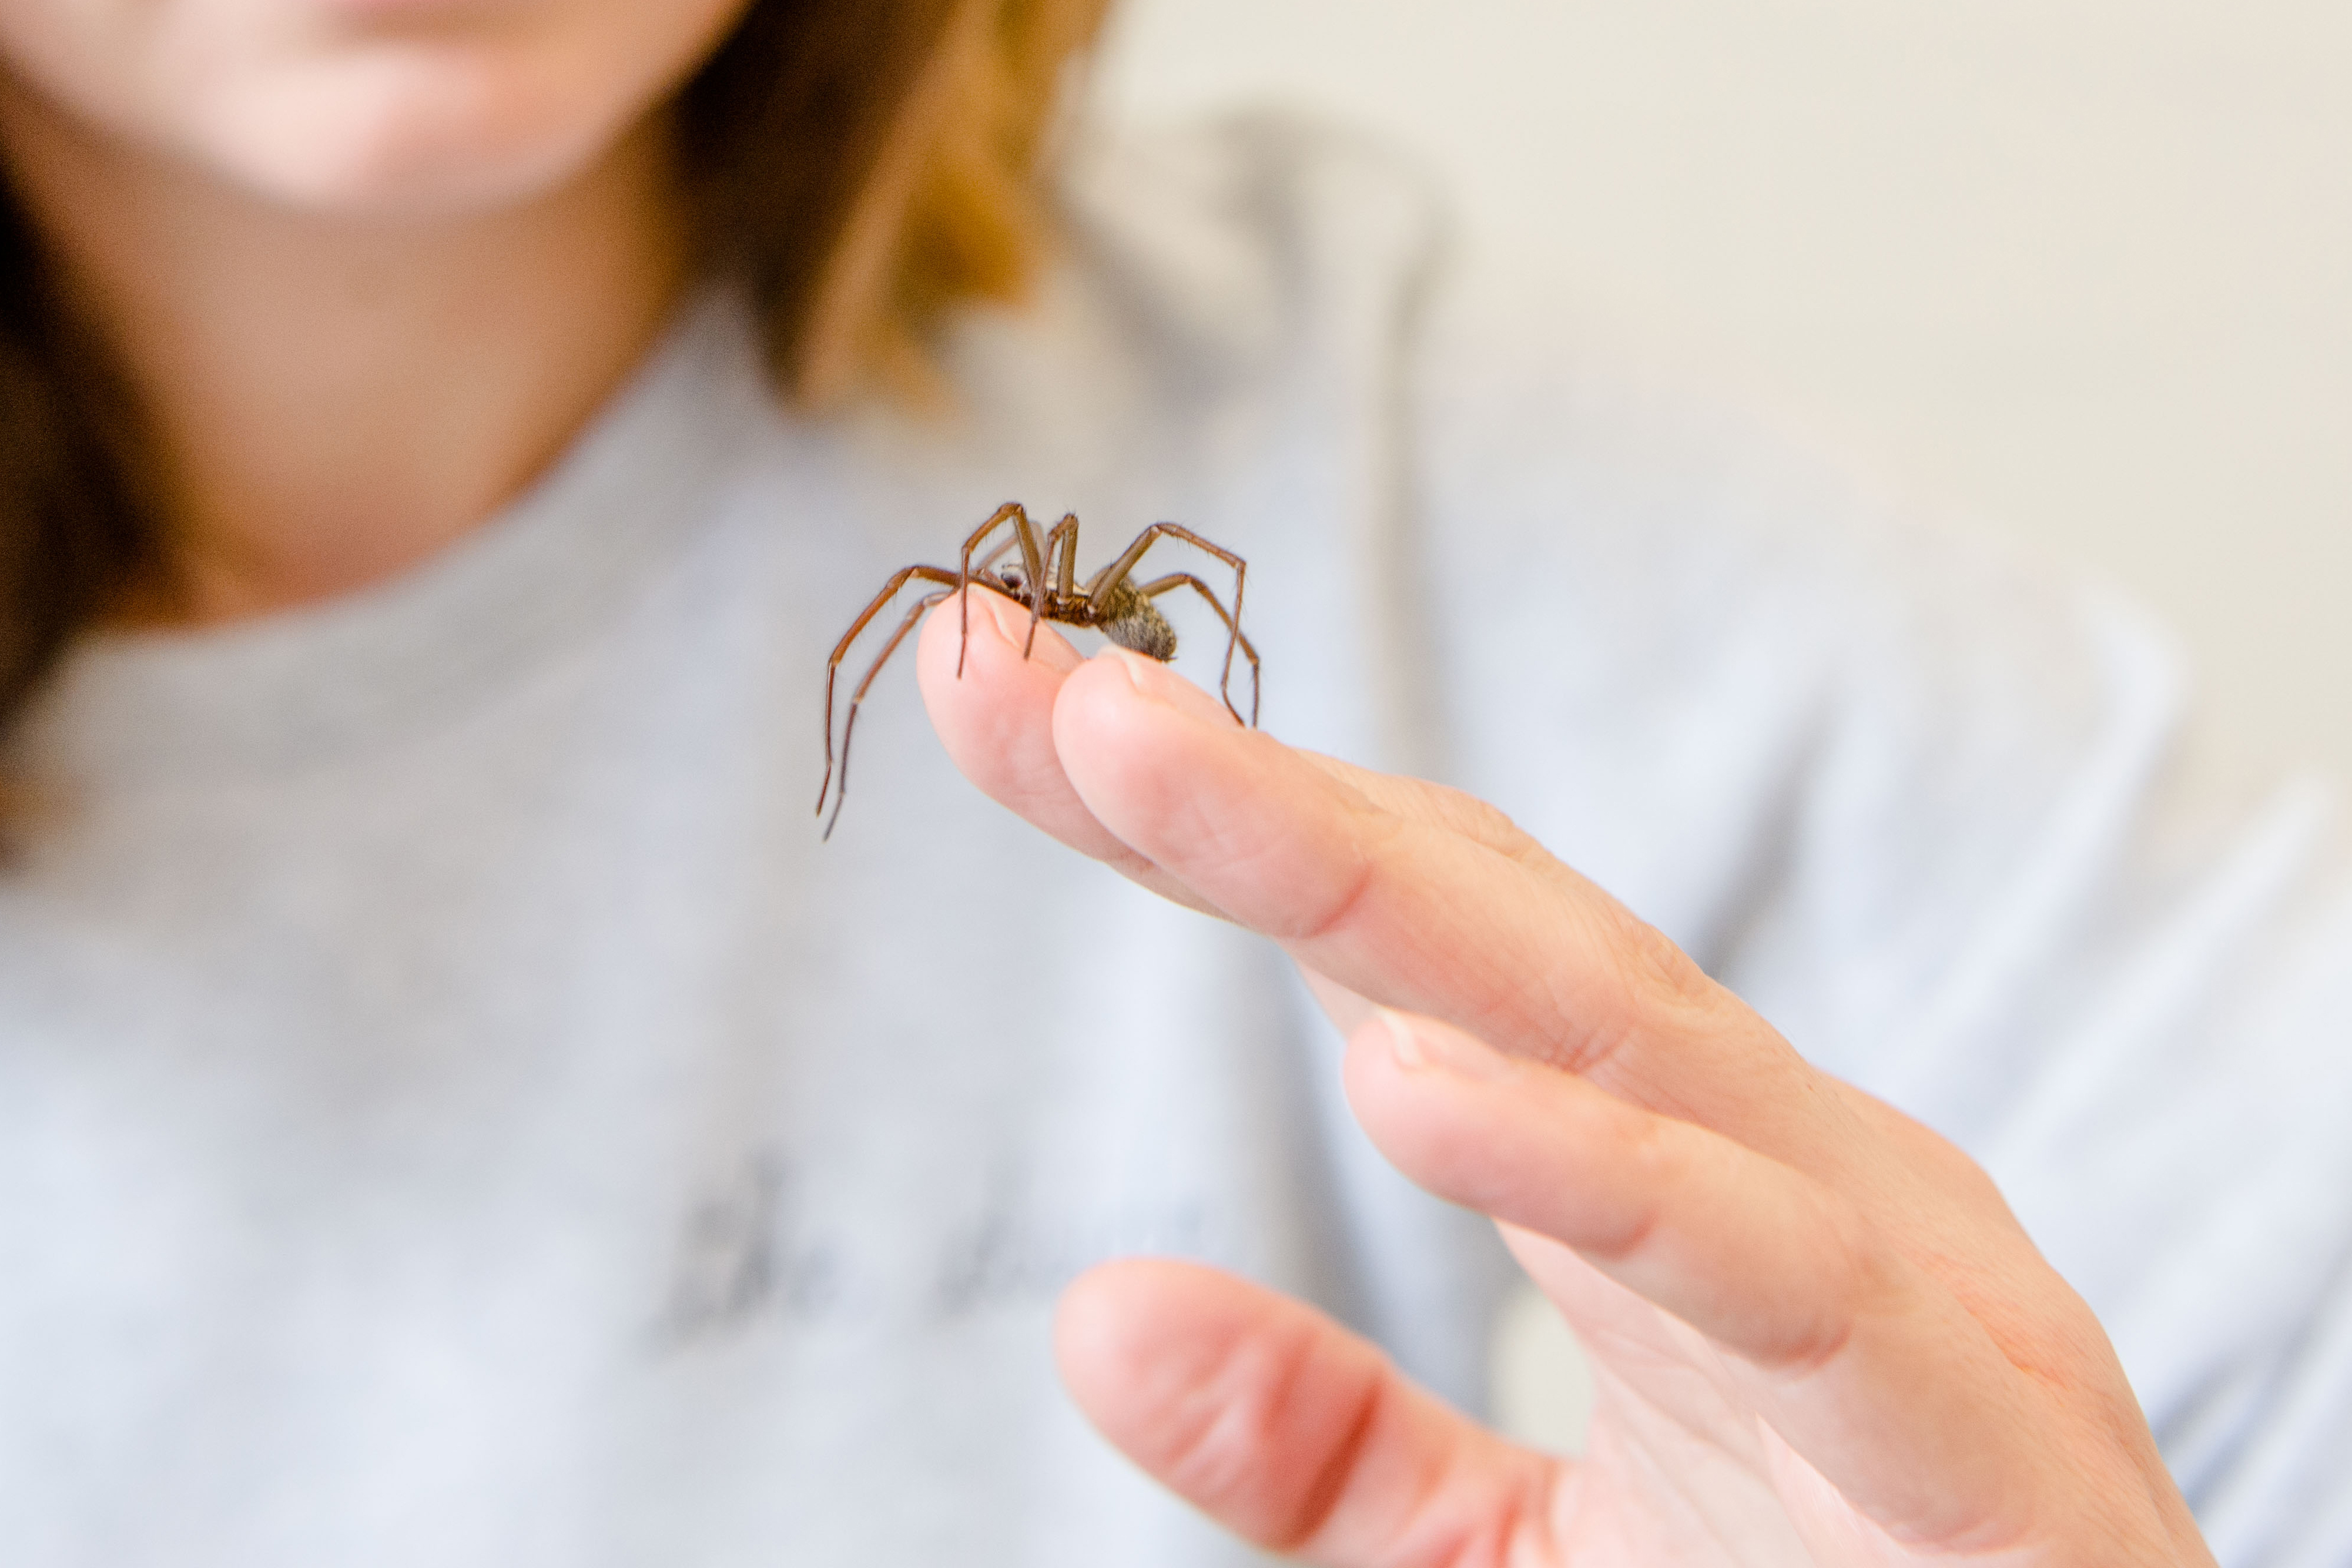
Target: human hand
1817, 1335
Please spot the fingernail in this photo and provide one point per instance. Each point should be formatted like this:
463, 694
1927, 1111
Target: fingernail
1001, 611
1011, 623
1148, 676
1419, 1044
1403, 1043
1155, 682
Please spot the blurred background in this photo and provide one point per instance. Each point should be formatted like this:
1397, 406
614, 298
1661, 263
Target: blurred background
2080, 269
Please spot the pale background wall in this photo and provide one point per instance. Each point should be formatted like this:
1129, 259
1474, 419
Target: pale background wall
2083, 268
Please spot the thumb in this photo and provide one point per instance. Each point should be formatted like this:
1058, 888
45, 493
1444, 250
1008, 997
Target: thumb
1285, 1427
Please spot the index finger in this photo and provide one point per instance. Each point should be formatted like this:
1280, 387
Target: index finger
1410, 896
1414, 913
990, 693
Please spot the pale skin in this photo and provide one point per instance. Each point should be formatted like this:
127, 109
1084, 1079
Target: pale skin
369, 264
1819, 1335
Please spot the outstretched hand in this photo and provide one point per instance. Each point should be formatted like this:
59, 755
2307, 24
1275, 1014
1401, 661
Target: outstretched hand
1818, 1334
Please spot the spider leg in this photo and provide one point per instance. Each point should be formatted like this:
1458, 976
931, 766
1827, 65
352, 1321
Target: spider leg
1100, 586
1066, 534
984, 572
981, 568
1068, 585
1175, 580
1026, 532
841, 651
849, 725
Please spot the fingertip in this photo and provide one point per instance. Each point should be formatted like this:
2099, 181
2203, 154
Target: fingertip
1089, 1317
999, 632
1146, 1348
1427, 1116
1103, 732
1118, 707
995, 721
1244, 1402
1403, 1068
939, 650
1111, 1317
1136, 739
991, 706
1469, 1124
1156, 683
1283, 1426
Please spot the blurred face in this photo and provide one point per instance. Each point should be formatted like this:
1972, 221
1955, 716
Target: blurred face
364, 106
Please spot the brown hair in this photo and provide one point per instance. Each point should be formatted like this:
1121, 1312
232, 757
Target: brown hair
861, 165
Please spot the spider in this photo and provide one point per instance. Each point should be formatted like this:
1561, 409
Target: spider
1110, 603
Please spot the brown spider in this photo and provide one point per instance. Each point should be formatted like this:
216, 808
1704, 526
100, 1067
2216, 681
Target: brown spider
1110, 603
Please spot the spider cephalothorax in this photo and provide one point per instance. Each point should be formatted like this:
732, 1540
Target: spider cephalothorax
1045, 580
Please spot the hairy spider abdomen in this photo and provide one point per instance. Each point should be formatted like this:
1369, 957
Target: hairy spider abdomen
1133, 622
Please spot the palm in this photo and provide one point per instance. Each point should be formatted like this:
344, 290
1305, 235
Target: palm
1667, 1408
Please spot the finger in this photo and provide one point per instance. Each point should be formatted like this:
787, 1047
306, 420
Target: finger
1287, 1429
992, 709
996, 723
1866, 1366
1452, 918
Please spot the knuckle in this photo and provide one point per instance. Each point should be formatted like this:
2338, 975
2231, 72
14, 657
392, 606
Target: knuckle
1651, 1153
1460, 812
1631, 985
1651, 968
1221, 1464
1354, 881
1854, 1277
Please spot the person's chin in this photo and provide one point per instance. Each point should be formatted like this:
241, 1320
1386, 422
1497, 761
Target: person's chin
406, 140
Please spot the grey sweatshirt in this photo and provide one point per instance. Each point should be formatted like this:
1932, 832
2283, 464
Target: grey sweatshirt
454, 1111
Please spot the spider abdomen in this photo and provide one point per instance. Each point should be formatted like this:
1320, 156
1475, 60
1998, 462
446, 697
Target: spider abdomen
1133, 622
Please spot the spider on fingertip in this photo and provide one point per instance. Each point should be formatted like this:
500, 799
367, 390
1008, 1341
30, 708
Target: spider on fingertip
1043, 581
